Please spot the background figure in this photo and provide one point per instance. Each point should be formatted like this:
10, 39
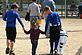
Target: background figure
80, 10
34, 11
73, 8
49, 3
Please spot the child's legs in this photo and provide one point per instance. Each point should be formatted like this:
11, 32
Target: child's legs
12, 39
51, 46
56, 44
7, 43
34, 46
55, 35
7, 34
11, 35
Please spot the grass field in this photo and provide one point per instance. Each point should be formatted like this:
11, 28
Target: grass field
23, 45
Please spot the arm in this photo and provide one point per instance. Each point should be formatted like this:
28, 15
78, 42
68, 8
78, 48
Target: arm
4, 17
20, 21
60, 21
28, 9
42, 32
38, 12
47, 24
27, 32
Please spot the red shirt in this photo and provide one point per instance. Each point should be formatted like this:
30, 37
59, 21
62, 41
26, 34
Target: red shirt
34, 33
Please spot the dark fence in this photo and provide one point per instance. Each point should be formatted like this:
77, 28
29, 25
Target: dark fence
70, 13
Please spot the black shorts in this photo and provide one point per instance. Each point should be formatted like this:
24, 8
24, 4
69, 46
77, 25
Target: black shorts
11, 33
54, 33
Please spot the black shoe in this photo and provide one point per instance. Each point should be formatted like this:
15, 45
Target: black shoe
11, 53
51, 52
7, 50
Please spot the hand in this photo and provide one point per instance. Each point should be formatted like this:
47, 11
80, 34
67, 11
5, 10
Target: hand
24, 30
47, 35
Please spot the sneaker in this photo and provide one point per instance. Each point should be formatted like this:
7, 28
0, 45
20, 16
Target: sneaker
51, 52
11, 52
56, 52
7, 50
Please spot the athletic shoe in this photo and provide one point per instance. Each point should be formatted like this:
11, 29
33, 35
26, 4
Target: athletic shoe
7, 50
51, 52
56, 52
11, 52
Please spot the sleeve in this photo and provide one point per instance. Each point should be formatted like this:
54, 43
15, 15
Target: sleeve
5, 16
27, 32
59, 21
47, 24
19, 19
28, 9
42, 32
38, 12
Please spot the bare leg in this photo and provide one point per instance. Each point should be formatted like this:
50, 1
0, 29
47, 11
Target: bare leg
11, 45
7, 43
7, 49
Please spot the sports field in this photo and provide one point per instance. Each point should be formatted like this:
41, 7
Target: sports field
23, 45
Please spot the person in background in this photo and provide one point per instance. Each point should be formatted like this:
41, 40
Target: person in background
10, 18
49, 3
34, 36
53, 20
73, 8
80, 10
34, 11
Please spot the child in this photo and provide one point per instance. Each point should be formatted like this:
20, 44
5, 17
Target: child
62, 41
10, 18
53, 24
34, 36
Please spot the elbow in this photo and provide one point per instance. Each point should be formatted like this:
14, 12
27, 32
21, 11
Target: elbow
4, 19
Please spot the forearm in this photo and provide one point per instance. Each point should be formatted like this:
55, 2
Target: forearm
27, 32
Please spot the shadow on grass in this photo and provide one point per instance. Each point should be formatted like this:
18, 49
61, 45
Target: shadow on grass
79, 51
23, 38
47, 54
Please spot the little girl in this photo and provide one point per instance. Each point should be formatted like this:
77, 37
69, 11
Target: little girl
34, 36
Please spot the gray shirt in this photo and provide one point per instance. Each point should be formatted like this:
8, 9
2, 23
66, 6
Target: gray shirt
34, 9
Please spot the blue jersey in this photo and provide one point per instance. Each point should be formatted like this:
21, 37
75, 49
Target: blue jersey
53, 19
10, 18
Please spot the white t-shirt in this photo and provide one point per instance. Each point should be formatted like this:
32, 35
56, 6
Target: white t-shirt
34, 9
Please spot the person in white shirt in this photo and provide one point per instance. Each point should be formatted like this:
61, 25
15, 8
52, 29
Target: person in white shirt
34, 11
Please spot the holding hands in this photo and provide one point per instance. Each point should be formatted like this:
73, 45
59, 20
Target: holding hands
47, 35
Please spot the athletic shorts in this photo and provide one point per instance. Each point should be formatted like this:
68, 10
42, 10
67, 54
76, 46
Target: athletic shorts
54, 33
11, 34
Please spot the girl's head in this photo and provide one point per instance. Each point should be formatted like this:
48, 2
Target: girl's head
15, 6
35, 25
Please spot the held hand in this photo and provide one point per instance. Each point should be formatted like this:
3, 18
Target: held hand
47, 35
24, 30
